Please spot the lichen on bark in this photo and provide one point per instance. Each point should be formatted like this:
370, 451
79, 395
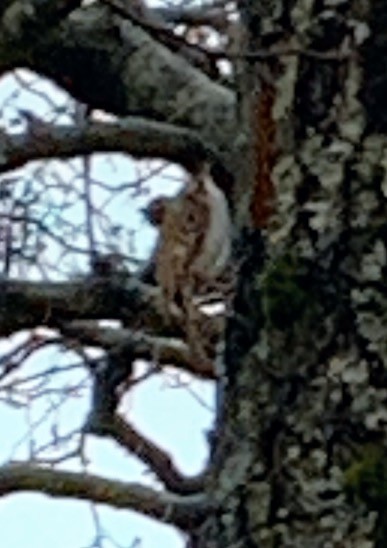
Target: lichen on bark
306, 354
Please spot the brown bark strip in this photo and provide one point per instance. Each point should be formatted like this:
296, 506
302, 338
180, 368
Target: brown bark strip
264, 154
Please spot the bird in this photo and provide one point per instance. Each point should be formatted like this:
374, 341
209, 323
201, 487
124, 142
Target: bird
194, 245
192, 253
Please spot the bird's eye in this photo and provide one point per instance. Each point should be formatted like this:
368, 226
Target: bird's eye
191, 219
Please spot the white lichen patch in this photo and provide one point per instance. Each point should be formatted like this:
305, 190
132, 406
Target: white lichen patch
363, 204
235, 471
286, 176
285, 88
373, 157
351, 120
355, 373
16, 15
257, 493
373, 262
373, 328
293, 453
360, 29
300, 15
383, 164
377, 419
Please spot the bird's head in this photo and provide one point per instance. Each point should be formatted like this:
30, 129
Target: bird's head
155, 210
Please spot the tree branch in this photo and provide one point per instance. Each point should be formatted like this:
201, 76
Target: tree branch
27, 304
149, 453
183, 513
136, 136
128, 73
164, 350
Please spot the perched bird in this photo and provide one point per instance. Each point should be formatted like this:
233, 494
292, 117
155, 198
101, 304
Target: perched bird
194, 243
191, 257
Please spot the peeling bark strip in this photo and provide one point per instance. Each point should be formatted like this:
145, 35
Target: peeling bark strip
264, 145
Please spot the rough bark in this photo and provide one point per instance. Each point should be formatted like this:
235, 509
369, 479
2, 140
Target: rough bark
300, 459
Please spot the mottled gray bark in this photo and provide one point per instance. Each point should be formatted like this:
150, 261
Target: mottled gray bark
300, 458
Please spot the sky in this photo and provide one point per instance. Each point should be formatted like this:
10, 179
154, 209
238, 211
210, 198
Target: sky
173, 410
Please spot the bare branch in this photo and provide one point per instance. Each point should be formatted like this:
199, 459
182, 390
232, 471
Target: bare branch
182, 512
128, 73
54, 304
163, 350
159, 461
136, 136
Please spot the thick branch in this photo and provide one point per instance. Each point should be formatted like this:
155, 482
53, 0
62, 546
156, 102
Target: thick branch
27, 304
183, 513
128, 72
136, 136
164, 350
158, 460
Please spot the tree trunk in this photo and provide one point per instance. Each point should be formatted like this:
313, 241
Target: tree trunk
299, 457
